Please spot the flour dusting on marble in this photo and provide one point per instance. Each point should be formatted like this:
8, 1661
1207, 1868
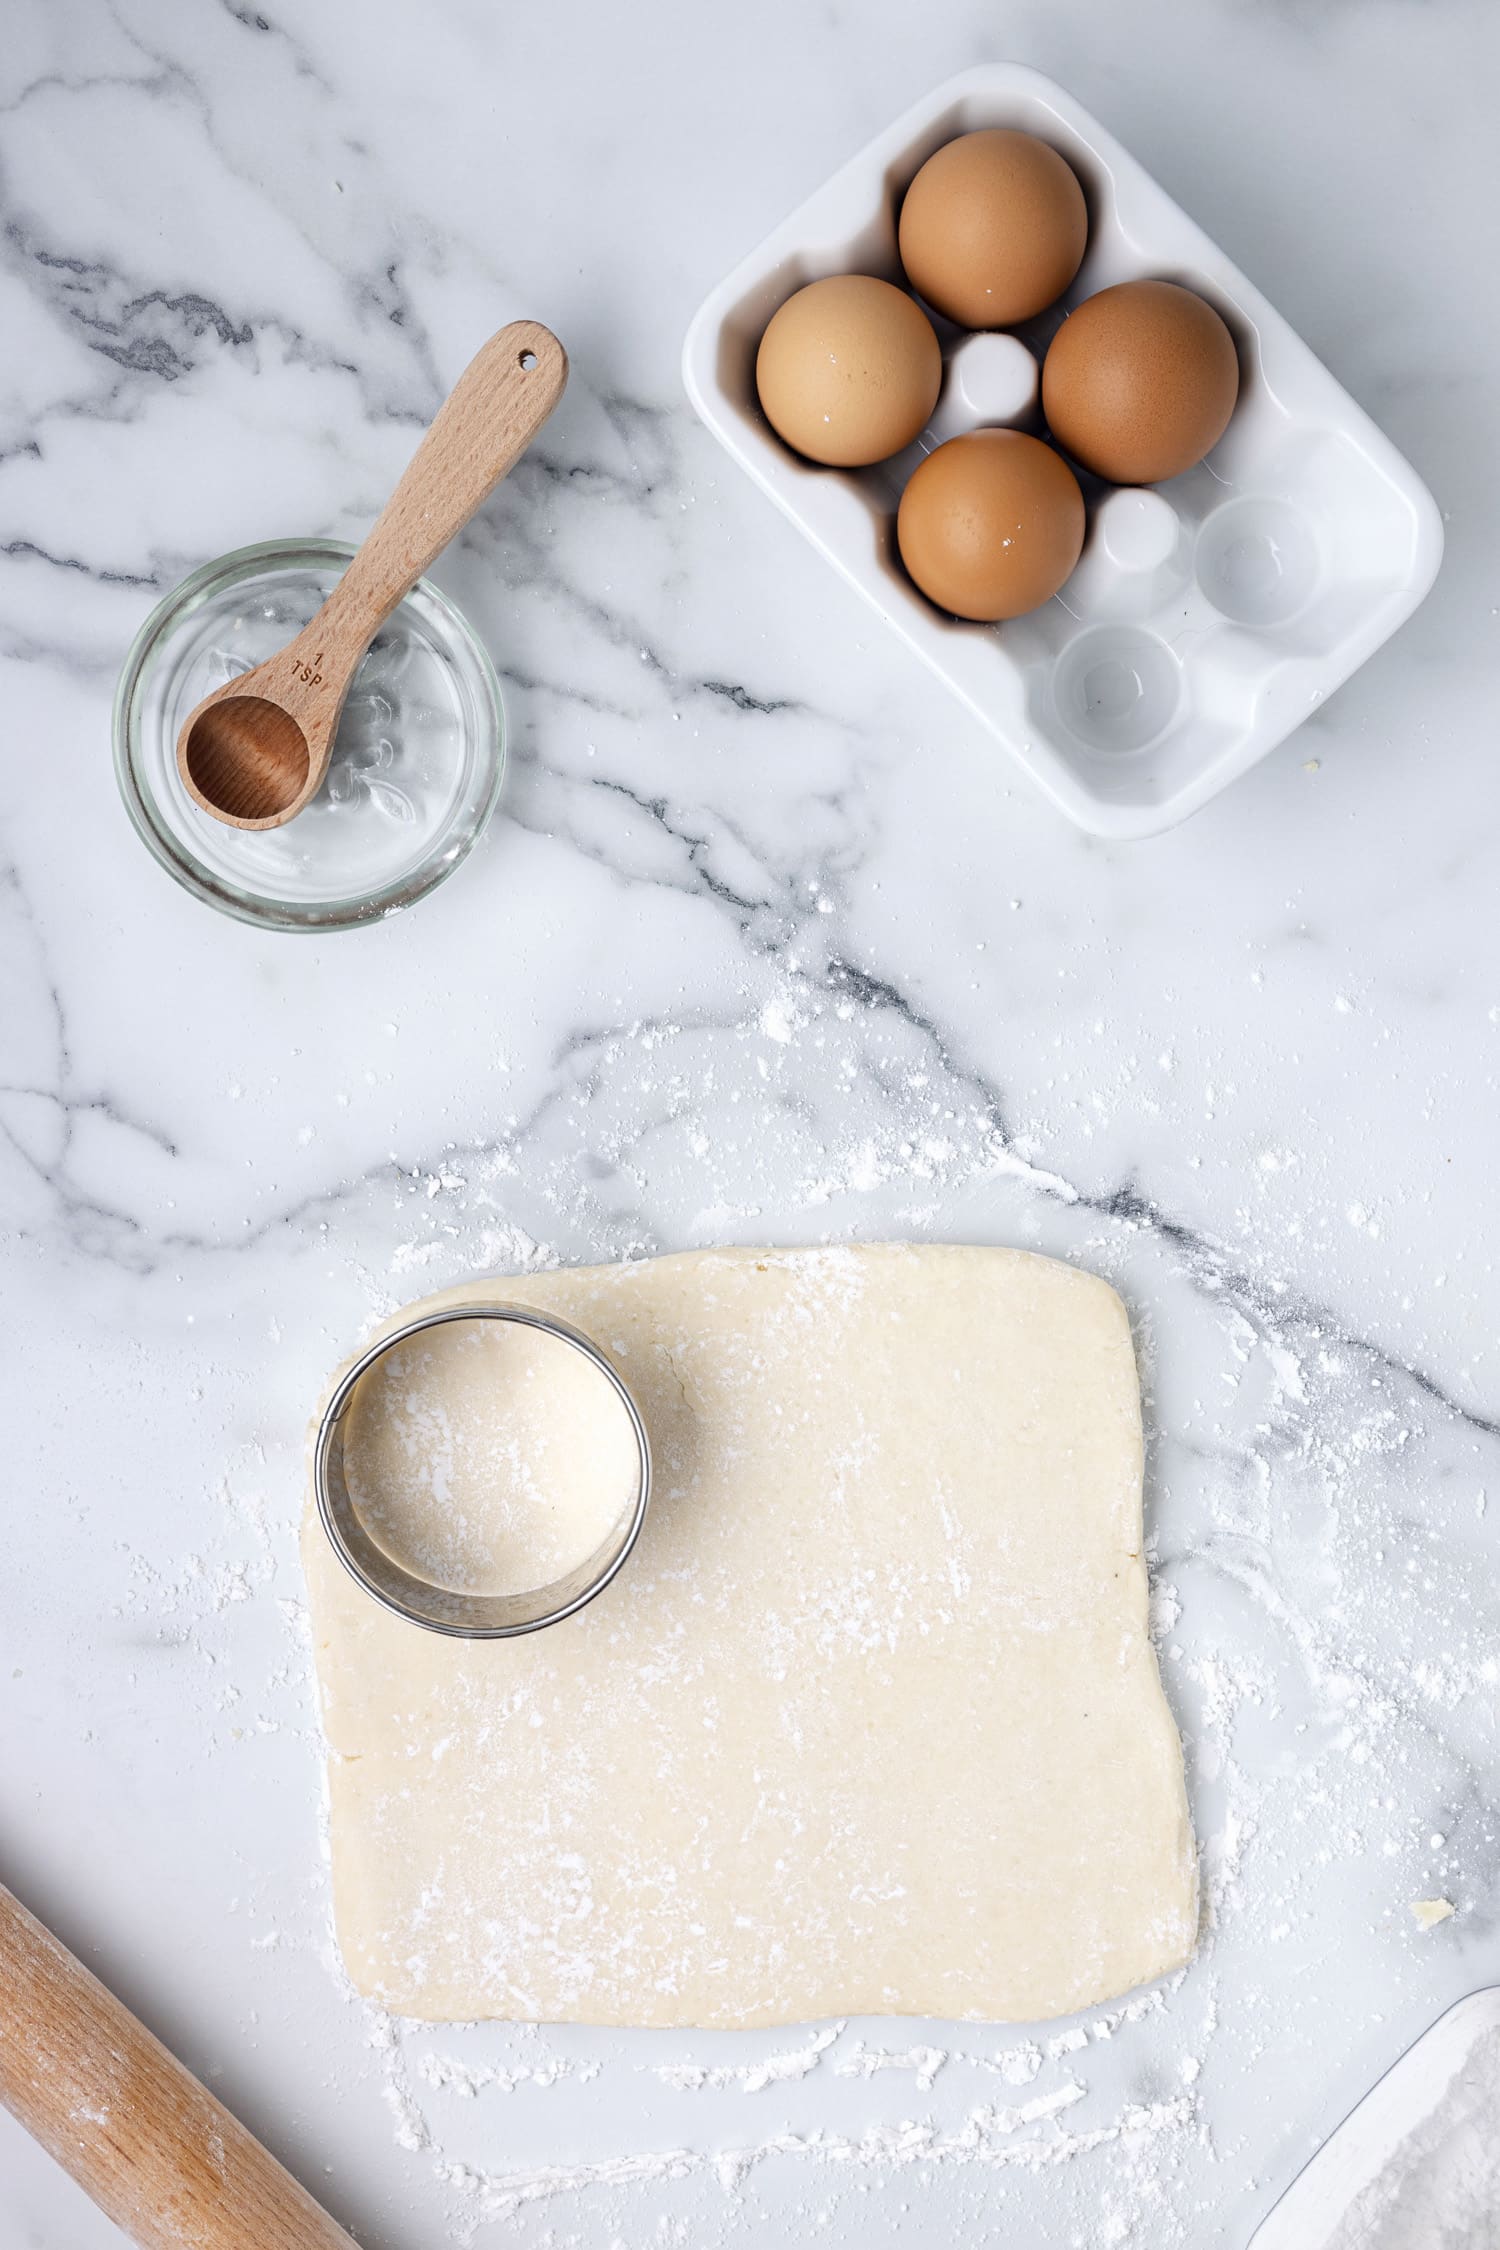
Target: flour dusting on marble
1286, 1502
1303, 1460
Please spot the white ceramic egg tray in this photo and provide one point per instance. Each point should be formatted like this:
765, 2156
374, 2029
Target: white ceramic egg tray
1208, 615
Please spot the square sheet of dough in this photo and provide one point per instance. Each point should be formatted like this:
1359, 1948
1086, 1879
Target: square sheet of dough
869, 1723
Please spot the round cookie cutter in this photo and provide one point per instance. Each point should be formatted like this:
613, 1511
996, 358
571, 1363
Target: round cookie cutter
441, 1609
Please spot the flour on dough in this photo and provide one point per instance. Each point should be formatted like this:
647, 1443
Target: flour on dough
869, 1724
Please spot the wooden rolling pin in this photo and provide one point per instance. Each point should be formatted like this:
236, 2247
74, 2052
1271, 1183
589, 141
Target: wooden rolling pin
153, 2148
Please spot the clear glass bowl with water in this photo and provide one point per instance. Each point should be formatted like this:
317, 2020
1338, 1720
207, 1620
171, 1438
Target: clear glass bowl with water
416, 765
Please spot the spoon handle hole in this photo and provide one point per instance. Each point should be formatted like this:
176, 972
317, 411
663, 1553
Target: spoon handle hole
526, 362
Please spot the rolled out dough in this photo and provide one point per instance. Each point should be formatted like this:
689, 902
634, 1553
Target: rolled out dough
869, 1723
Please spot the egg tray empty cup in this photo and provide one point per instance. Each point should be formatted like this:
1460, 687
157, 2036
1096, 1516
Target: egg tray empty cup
1208, 616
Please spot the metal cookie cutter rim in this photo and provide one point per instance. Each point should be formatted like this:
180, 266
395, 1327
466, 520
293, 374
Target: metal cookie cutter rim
479, 1617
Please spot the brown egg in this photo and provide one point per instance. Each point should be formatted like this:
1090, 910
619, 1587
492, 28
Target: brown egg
991, 524
1140, 382
993, 228
849, 370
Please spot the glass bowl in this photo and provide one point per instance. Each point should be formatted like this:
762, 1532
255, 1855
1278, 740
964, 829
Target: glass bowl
416, 764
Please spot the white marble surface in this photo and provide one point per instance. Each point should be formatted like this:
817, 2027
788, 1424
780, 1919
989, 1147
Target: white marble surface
765, 945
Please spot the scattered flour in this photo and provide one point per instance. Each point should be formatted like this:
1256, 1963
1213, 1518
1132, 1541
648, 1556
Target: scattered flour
1299, 1490
924, 2063
992, 2138
751, 2078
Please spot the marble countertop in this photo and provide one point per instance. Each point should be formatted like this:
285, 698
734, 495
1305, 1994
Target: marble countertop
766, 944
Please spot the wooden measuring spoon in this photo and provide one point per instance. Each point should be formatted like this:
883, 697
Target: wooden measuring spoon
255, 751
